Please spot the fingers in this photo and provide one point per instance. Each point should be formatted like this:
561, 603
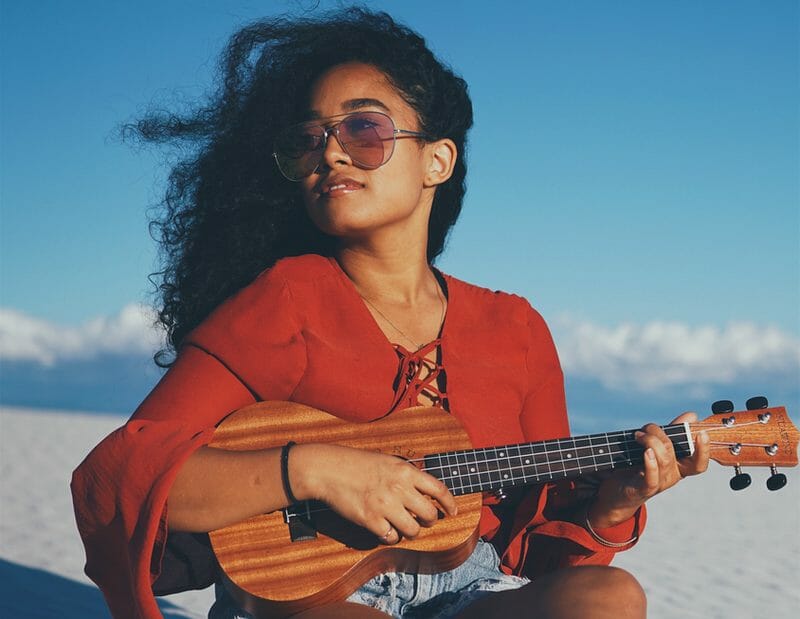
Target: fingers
403, 502
698, 462
651, 481
390, 537
438, 491
660, 465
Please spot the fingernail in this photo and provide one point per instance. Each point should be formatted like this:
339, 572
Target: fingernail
651, 455
638, 434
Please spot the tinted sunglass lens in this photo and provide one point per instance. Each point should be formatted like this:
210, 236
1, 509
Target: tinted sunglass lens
364, 136
298, 150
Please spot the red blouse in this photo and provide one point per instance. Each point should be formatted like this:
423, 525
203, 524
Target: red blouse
300, 332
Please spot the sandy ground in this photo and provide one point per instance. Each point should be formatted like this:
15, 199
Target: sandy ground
707, 553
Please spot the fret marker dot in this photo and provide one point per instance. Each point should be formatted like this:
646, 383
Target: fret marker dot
455, 472
569, 455
505, 476
472, 470
502, 454
601, 451
527, 461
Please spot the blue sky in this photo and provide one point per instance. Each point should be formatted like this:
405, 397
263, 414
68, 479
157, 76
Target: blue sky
632, 164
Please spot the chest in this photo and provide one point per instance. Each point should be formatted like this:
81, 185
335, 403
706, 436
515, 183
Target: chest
356, 374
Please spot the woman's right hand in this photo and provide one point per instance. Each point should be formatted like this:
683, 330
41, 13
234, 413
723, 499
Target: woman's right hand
384, 494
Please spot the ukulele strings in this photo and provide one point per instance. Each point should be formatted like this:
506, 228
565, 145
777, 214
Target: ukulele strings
627, 443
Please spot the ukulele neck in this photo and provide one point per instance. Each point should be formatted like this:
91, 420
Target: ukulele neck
492, 468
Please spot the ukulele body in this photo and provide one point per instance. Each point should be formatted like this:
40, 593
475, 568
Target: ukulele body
271, 575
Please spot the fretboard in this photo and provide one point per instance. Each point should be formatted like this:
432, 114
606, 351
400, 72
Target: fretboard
492, 468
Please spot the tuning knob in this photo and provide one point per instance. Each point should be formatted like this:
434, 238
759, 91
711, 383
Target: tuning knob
777, 480
740, 481
756, 403
722, 406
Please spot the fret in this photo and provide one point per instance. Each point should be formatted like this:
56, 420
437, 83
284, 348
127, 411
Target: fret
515, 464
457, 470
681, 439
463, 466
541, 458
628, 460
471, 472
584, 452
601, 451
432, 465
484, 472
529, 462
556, 457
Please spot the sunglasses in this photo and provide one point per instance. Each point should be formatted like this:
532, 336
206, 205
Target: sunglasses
367, 137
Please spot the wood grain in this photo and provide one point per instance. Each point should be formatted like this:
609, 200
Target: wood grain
272, 576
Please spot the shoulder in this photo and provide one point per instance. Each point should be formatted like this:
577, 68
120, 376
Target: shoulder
503, 309
307, 267
270, 298
297, 270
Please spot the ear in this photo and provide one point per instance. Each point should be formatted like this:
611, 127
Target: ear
441, 159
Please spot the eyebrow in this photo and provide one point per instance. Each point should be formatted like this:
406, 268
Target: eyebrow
356, 104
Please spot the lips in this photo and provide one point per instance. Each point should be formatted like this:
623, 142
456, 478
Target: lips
338, 186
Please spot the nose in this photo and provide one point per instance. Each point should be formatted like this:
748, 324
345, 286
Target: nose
334, 153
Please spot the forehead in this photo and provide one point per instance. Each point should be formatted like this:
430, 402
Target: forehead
352, 86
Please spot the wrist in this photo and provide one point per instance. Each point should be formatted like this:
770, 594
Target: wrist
605, 532
602, 517
301, 471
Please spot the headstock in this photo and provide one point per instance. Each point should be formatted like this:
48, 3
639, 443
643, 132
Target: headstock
759, 436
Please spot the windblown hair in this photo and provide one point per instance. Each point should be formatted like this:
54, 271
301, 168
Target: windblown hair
228, 214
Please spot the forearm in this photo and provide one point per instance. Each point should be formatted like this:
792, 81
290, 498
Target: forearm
216, 488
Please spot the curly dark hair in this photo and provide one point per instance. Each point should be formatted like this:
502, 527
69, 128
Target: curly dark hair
228, 214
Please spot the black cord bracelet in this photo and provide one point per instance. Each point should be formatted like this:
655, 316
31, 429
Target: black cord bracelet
287, 487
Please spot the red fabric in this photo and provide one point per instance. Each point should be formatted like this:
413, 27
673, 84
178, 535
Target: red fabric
300, 332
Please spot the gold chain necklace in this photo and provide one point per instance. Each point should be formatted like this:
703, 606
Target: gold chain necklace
398, 329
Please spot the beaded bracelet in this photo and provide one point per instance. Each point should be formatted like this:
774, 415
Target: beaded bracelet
287, 487
600, 540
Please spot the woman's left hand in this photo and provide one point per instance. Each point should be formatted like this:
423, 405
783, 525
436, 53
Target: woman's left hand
625, 491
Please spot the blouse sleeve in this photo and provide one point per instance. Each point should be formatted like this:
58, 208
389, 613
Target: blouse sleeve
120, 490
542, 538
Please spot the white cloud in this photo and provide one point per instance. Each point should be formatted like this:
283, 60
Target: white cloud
646, 358
659, 355
25, 338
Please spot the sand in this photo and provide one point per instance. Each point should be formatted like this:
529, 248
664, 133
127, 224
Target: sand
707, 553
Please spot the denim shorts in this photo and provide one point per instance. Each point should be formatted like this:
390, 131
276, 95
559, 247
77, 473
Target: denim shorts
416, 596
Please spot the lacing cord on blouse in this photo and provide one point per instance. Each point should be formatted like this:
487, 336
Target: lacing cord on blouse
420, 380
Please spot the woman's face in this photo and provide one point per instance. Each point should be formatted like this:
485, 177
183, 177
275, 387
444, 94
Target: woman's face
353, 203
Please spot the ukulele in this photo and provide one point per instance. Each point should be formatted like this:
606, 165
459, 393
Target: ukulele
306, 555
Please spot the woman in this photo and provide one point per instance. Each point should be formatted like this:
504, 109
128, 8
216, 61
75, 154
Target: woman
368, 132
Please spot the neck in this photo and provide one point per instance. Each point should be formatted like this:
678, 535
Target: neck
395, 276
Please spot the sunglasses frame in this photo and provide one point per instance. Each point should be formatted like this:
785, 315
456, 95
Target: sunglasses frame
334, 130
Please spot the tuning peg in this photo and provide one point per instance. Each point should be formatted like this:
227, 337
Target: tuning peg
756, 403
777, 480
722, 406
740, 481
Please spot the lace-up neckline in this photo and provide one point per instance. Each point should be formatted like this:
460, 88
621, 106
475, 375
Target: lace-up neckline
421, 379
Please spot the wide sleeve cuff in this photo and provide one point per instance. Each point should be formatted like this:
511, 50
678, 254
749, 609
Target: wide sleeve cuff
538, 544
